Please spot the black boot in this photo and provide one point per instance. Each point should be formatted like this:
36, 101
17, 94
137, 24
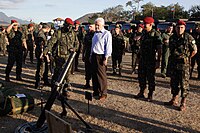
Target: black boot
87, 85
7, 78
19, 78
150, 96
114, 71
120, 72
140, 94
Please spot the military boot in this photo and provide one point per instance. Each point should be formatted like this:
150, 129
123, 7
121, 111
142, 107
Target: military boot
150, 96
7, 78
173, 101
140, 95
120, 72
114, 71
87, 85
183, 104
19, 78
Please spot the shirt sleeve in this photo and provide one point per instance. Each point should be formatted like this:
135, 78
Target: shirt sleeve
108, 45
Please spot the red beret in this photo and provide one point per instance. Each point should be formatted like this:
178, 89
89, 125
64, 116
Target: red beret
141, 25
180, 22
77, 22
13, 21
69, 21
30, 25
148, 20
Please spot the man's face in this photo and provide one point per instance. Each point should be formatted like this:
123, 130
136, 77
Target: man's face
76, 26
31, 28
99, 26
180, 29
170, 29
91, 27
15, 26
139, 29
147, 27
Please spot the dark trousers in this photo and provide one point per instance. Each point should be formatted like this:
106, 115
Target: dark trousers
99, 77
42, 70
88, 70
116, 60
146, 73
134, 60
14, 56
30, 50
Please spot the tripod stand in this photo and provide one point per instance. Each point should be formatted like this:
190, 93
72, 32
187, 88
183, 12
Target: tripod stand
54, 94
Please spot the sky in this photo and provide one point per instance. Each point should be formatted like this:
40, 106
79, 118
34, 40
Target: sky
47, 10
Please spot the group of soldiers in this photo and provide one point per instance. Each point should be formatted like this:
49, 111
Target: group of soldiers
175, 47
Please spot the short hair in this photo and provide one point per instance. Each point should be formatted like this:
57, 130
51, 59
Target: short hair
101, 20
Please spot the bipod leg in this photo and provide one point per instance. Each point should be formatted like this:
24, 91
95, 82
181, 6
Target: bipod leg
74, 111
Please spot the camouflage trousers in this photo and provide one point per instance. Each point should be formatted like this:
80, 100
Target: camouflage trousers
59, 63
180, 81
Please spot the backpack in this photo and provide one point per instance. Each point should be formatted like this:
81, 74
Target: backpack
14, 103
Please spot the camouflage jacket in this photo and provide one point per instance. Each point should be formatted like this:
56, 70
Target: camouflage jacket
3, 38
63, 43
87, 44
181, 48
118, 43
40, 42
165, 38
150, 43
15, 39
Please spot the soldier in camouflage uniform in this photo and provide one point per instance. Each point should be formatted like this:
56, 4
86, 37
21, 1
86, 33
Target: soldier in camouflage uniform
148, 62
118, 46
66, 42
29, 42
135, 45
79, 34
15, 49
42, 61
87, 44
165, 49
182, 48
196, 58
3, 40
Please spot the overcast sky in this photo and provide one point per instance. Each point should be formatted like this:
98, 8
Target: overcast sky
47, 10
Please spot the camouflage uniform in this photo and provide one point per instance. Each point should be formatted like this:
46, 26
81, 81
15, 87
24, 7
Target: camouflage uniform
86, 54
79, 34
42, 64
118, 46
165, 52
150, 44
15, 52
135, 47
180, 51
3, 42
196, 58
65, 41
30, 45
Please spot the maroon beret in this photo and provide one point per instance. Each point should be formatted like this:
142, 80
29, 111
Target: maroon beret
69, 21
148, 20
13, 21
30, 25
141, 25
180, 22
77, 22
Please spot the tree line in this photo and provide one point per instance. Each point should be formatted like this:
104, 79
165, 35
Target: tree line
138, 12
